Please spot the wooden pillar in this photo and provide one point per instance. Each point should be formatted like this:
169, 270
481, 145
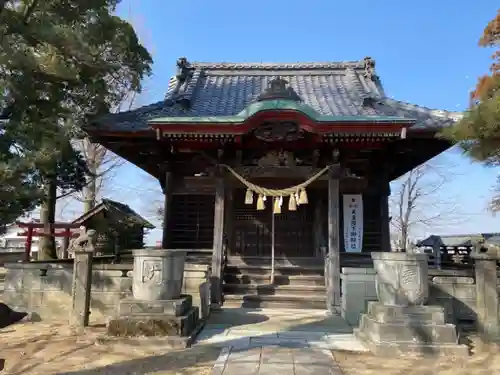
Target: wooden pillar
167, 208
385, 231
218, 246
332, 262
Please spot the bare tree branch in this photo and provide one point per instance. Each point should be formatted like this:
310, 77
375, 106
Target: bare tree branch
418, 201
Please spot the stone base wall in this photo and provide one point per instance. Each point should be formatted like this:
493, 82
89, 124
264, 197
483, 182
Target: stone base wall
11, 257
453, 290
358, 288
45, 289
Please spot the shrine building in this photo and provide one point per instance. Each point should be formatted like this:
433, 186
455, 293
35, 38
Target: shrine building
276, 174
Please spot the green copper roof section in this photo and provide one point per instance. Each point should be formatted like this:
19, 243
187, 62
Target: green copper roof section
277, 105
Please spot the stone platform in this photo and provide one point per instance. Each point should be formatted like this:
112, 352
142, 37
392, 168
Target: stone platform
392, 330
169, 320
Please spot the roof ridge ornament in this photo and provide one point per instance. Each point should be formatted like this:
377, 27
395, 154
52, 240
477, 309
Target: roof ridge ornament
184, 69
369, 67
278, 89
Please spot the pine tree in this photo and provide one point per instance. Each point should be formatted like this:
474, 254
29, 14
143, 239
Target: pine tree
479, 131
61, 63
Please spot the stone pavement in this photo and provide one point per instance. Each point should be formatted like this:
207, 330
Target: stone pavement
275, 360
243, 328
268, 341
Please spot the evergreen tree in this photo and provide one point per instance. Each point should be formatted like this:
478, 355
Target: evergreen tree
61, 63
479, 131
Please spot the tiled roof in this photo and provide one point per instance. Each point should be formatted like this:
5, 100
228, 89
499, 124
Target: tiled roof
225, 89
123, 209
458, 240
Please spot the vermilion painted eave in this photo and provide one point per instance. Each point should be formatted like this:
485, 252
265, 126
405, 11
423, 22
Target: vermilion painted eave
306, 123
150, 133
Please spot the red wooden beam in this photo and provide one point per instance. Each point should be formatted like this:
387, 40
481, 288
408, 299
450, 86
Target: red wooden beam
40, 225
38, 233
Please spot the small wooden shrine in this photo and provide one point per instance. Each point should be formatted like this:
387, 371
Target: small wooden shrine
270, 159
118, 227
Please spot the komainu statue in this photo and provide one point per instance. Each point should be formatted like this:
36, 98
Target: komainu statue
84, 242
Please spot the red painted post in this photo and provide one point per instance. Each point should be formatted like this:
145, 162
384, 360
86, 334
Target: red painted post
27, 244
67, 236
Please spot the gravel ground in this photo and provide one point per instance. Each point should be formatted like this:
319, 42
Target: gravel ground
38, 348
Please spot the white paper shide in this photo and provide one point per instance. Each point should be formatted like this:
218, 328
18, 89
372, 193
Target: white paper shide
353, 222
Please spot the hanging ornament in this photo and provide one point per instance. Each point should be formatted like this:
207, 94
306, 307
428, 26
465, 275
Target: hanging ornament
303, 197
276, 206
296, 196
249, 197
292, 203
260, 203
281, 201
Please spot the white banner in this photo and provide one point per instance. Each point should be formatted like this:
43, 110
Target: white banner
353, 223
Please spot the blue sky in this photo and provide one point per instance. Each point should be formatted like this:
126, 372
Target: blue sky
426, 53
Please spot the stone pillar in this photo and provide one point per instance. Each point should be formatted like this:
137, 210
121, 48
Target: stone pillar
218, 245
80, 294
167, 190
332, 261
158, 274
487, 300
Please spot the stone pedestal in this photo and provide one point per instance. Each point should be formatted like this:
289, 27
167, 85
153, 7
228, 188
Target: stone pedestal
391, 330
157, 307
400, 322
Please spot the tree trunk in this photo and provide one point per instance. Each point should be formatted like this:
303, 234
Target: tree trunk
47, 245
89, 195
94, 156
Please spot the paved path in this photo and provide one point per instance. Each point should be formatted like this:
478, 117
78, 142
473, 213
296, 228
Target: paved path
276, 360
243, 328
274, 342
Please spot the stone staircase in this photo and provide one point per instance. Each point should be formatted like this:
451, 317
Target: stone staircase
298, 283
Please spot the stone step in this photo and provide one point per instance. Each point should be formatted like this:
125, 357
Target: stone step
278, 279
278, 261
275, 301
245, 269
413, 332
263, 289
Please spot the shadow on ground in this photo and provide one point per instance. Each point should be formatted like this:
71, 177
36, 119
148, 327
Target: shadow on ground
206, 352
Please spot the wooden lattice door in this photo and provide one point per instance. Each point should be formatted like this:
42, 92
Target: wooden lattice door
293, 230
192, 221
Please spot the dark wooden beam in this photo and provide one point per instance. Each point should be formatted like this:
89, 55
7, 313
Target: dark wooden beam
385, 234
168, 188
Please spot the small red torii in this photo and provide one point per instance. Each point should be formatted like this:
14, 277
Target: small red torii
32, 229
